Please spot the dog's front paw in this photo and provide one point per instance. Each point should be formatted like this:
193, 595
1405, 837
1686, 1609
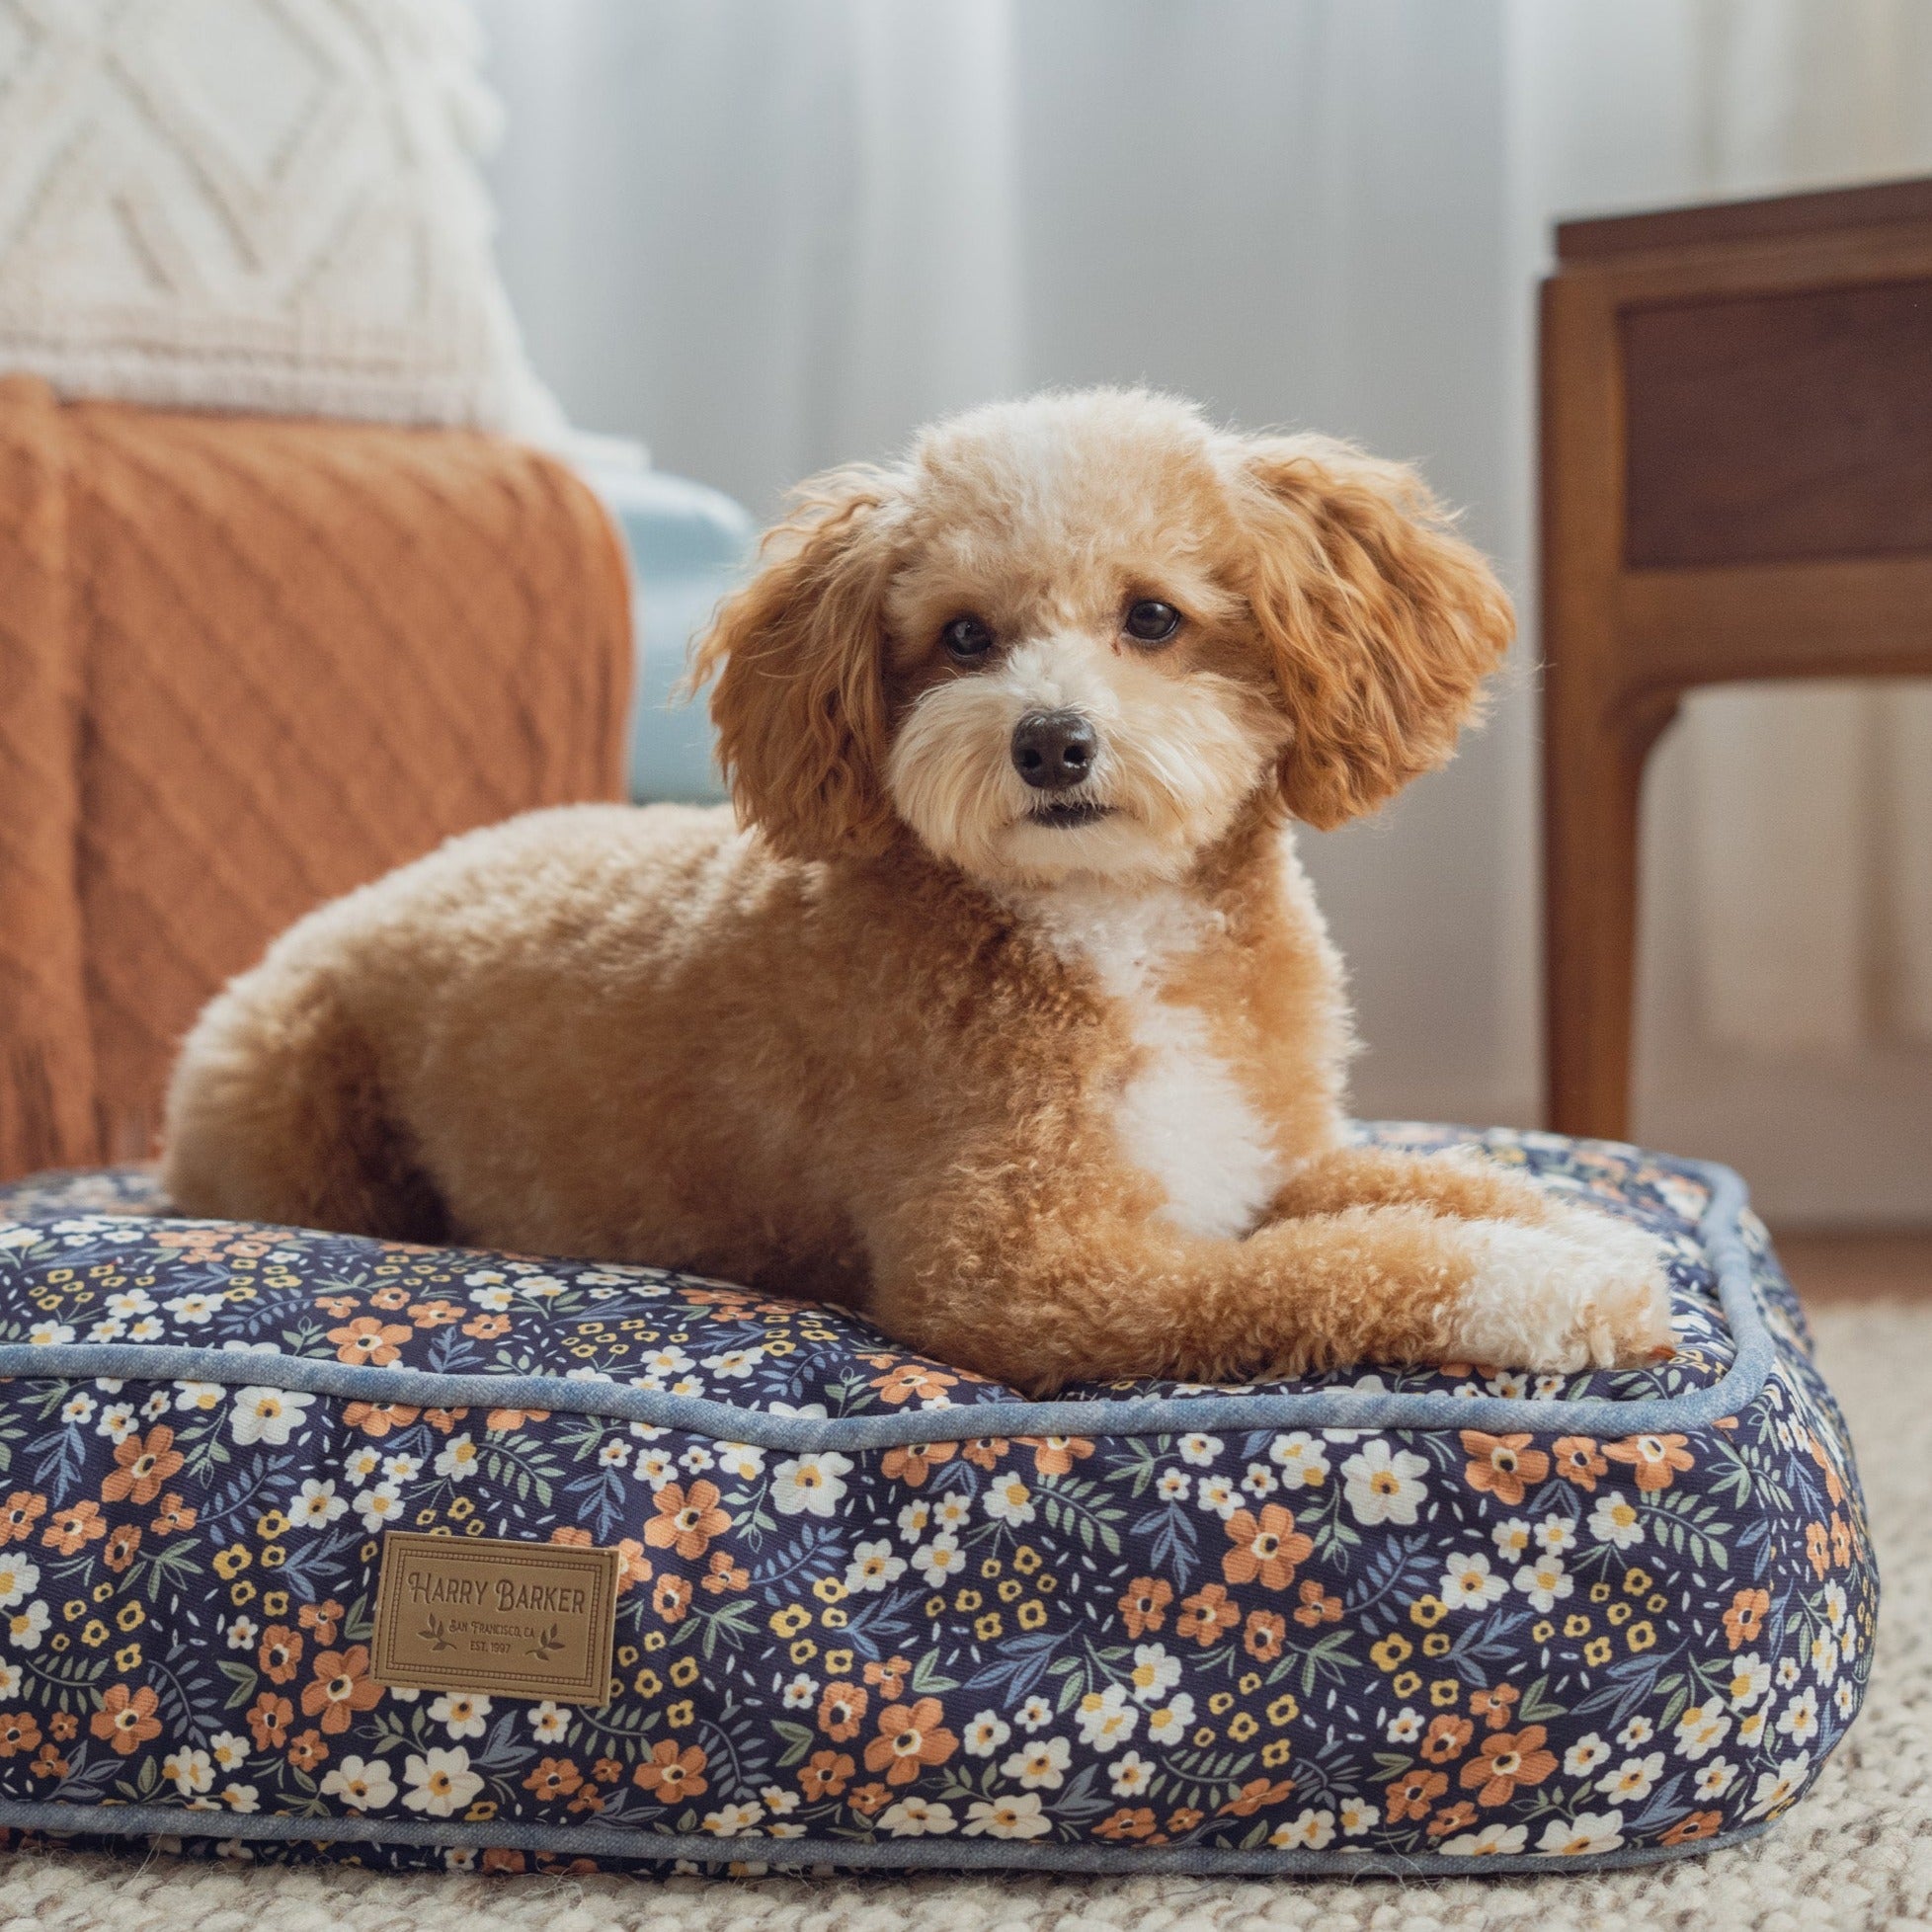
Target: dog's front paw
1588, 1291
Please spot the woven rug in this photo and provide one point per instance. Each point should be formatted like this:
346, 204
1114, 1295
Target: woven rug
1856, 1853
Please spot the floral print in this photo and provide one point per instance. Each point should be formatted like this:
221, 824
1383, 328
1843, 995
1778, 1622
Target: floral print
1250, 1644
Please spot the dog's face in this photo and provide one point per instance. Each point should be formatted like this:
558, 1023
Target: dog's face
1078, 634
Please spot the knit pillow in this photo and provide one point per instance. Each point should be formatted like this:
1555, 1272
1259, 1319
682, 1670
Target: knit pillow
241, 205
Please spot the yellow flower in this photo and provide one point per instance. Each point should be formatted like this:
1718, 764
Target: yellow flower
1427, 1611
680, 1714
1597, 1651
127, 1658
94, 1632
274, 1603
828, 1589
789, 1621
270, 1524
1277, 1753
989, 1628
1641, 1636
1284, 1710
1394, 1650
1032, 1614
683, 1673
232, 1561
1241, 1726
130, 1616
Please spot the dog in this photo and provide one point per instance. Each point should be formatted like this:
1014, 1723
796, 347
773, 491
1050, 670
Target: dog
1003, 1013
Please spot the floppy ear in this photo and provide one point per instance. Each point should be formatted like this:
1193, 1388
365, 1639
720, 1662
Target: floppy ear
800, 700
1381, 621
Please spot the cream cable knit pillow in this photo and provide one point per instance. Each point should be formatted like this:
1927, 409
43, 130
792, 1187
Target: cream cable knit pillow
263, 204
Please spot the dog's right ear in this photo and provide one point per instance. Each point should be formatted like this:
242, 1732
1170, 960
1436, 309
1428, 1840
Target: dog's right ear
798, 654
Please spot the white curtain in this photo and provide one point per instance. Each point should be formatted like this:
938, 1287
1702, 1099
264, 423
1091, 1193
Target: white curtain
769, 234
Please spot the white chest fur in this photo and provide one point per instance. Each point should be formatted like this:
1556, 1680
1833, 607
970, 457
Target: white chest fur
1182, 1118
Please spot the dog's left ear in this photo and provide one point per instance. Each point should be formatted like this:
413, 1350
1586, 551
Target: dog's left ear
1381, 621
797, 653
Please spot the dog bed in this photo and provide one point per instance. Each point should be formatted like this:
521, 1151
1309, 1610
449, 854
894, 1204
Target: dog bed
861, 1610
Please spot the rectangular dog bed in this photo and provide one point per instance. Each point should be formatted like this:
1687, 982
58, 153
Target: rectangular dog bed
321, 1547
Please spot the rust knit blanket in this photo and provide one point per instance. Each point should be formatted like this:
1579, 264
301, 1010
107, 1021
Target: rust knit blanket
246, 664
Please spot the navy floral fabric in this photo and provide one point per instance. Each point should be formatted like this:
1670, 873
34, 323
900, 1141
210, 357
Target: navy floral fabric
1197, 1641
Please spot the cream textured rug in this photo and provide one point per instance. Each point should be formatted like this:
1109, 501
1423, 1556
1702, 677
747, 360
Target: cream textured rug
1855, 1855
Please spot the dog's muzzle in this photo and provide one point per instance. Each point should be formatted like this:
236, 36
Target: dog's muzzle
1054, 751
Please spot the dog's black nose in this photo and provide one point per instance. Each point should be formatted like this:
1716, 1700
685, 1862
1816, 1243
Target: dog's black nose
1053, 750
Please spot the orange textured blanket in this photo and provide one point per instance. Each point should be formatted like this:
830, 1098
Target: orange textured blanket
246, 664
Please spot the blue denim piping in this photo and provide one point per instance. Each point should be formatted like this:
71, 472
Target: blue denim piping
950, 1854
1719, 1230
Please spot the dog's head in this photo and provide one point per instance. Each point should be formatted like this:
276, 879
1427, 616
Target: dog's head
1078, 634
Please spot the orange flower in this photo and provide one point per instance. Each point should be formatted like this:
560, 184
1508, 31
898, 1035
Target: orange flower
488, 1327
671, 1597
635, 1567
125, 1719
513, 1418
306, 1751
672, 1771
321, 1618
140, 1468
269, 1719
1268, 1547
1448, 1736
1492, 1705
336, 1306
1841, 1541
1656, 1458
367, 1341
554, 1777
503, 1858
64, 1726
1262, 1638
1185, 1818
68, 1529
122, 1545
889, 1678
1055, 1455
686, 1523
1502, 1464
173, 1516
1138, 1824
1414, 1795
984, 1451
1818, 1549
910, 1379
726, 1574
607, 1771
377, 1419
1834, 1485
1578, 1461
392, 1299
915, 1461
1206, 1614
18, 1515
911, 1735
1257, 1793
1458, 1818
438, 1314
18, 1731
1317, 1606
280, 1653
842, 1710
340, 1687
1746, 1617
442, 1420
50, 1763
825, 1774
1144, 1606
868, 1798
1699, 1824
1507, 1760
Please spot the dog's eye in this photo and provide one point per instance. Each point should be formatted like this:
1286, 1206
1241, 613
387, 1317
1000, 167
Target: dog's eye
967, 639
1149, 621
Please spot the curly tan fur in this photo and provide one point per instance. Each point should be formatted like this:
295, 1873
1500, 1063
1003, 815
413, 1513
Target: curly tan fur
1054, 1097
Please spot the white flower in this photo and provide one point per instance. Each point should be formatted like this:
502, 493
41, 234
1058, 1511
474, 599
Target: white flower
401, 1468
1105, 1717
1217, 1494
493, 1300
316, 1506
78, 1408
1311, 1832
1583, 1756
1716, 1778
1824, 1657
1750, 1678
1406, 1726
462, 1715
1198, 1449
378, 1507
267, 1415
938, 1559
1154, 1673
801, 1693
10, 1679
1007, 1499
1260, 1481
778, 1801
915, 1519
459, 1459
227, 1751
360, 1465
741, 1460
127, 1303
18, 1578
1358, 1817
952, 1512
1614, 1520
1634, 1779
25, 1628
1466, 1584
1511, 1384
203, 1395
1636, 1733
1788, 1672
439, 1781
1776, 1788
1585, 1835
107, 1331
1492, 1839
1040, 1765
663, 1362
242, 1633
1545, 1582
810, 1484
733, 1820
365, 1785
117, 1421
986, 1733
1701, 1730
614, 1454
1018, 1817
549, 1722
1798, 1720
1835, 1603
1555, 1534
1512, 1537
1752, 1725
918, 1818
196, 1308
1173, 1484
1303, 1462
1384, 1485
1131, 1774
1168, 1725
242, 1798
873, 1566
52, 1334
735, 1363
148, 1328
654, 1467
189, 1771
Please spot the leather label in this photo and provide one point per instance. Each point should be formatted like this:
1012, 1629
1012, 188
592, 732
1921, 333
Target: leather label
509, 1619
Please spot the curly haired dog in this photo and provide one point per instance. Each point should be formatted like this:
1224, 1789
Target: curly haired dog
1007, 1017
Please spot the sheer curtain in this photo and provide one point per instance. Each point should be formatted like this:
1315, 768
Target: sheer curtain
768, 234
